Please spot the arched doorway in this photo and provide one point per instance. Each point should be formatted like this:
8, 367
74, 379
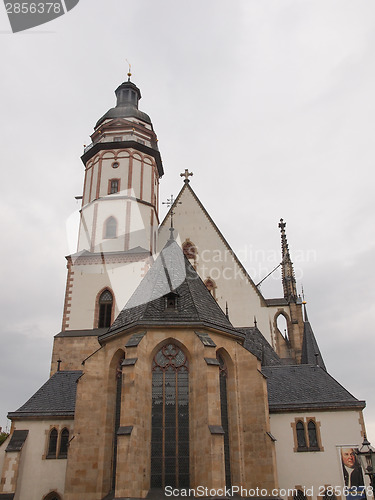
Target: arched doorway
170, 418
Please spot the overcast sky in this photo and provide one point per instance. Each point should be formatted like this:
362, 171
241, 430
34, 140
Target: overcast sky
269, 102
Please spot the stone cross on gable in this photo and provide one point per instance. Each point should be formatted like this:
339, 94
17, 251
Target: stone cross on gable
186, 174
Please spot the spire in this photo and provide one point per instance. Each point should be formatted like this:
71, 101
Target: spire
288, 277
311, 354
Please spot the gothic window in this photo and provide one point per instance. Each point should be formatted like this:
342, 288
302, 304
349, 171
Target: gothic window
307, 435
52, 496
113, 186
211, 286
118, 376
105, 309
313, 438
301, 438
170, 418
52, 443
64, 441
110, 228
224, 418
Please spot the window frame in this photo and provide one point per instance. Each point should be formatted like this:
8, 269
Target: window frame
305, 421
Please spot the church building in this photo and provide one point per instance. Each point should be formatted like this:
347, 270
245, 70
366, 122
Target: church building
171, 371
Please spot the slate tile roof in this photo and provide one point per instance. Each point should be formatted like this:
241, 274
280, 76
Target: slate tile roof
56, 397
310, 350
171, 273
258, 345
300, 387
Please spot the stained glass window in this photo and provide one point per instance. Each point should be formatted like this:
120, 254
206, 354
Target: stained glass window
170, 418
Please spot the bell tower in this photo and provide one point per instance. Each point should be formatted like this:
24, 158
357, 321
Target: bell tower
119, 214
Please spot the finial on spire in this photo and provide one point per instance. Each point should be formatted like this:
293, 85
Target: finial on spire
226, 310
186, 174
255, 322
288, 277
130, 70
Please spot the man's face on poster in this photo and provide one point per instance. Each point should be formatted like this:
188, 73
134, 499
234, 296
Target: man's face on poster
348, 457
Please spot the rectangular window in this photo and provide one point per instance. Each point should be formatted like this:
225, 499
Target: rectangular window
114, 186
117, 139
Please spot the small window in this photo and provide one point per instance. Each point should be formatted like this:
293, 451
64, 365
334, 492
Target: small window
113, 186
105, 309
301, 438
64, 441
117, 139
52, 443
115, 164
171, 301
110, 230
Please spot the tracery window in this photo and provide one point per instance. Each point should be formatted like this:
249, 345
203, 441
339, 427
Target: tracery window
170, 418
307, 435
105, 309
224, 417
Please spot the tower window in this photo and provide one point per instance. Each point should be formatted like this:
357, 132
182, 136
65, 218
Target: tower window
115, 164
117, 139
105, 309
171, 301
110, 228
113, 186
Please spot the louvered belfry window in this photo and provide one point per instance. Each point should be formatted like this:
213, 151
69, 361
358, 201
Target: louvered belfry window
170, 418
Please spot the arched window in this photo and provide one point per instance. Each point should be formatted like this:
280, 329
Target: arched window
282, 326
52, 444
224, 418
105, 309
64, 441
313, 438
118, 375
301, 437
170, 418
110, 228
52, 496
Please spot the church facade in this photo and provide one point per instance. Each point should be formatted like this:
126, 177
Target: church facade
170, 371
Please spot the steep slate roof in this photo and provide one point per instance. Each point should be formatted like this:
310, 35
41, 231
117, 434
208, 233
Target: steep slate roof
301, 387
57, 397
311, 354
258, 345
171, 272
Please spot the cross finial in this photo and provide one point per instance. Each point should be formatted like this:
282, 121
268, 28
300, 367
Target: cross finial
170, 202
282, 225
186, 174
130, 70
